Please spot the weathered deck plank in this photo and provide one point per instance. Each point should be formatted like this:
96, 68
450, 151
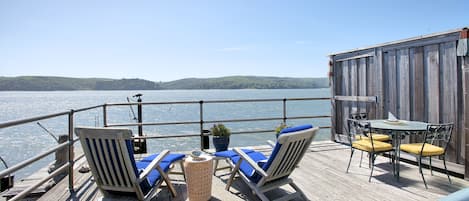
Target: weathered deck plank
321, 175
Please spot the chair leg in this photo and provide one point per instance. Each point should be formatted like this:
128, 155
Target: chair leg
181, 163
350, 160
369, 160
298, 190
361, 158
215, 167
447, 173
262, 197
233, 174
430, 167
372, 161
419, 159
168, 181
393, 160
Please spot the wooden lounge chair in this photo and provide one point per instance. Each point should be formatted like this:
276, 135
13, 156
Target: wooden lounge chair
263, 174
109, 152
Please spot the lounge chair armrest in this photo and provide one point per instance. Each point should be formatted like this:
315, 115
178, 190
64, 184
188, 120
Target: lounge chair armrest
271, 143
154, 163
248, 159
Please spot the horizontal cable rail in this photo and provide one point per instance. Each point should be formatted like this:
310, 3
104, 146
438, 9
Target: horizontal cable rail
216, 121
88, 108
217, 101
29, 120
49, 116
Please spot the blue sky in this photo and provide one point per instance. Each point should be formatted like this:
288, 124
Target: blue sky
169, 40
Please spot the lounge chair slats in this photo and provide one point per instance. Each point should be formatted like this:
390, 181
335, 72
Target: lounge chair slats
109, 152
263, 174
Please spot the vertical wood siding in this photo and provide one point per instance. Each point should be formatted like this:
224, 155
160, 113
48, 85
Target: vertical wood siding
449, 93
465, 132
432, 98
419, 80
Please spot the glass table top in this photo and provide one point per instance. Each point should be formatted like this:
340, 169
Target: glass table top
400, 125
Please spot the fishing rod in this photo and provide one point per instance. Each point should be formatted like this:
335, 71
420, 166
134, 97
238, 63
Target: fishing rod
132, 109
48, 132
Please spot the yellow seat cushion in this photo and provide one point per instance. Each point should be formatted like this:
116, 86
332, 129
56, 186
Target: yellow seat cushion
376, 137
428, 150
366, 145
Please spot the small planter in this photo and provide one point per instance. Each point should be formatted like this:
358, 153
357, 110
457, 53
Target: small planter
221, 143
221, 137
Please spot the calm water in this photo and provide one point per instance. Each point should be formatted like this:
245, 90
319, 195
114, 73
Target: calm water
22, 142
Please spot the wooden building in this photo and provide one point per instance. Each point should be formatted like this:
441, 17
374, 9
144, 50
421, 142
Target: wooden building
424, 78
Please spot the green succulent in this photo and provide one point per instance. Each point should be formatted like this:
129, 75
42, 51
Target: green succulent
280, 127
220, 130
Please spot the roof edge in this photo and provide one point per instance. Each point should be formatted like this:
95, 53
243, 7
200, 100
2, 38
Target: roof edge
399, 41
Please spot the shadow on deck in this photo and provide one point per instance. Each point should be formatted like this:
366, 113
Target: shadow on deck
321, 175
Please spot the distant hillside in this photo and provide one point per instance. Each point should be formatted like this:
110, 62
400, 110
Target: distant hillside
247, 82
45, 83
127, 84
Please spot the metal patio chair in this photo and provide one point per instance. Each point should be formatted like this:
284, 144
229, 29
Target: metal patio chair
109, 152
365, 143
435, 142
376, 136
263, 174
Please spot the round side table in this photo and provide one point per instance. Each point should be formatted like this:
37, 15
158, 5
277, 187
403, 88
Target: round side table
198, 172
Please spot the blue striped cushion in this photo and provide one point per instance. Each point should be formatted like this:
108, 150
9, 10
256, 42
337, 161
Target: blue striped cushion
154, 175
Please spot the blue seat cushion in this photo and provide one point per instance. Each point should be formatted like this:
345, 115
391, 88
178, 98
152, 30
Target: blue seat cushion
461, 195
230, 153
247, 169
296, 128
172, 157
154, 175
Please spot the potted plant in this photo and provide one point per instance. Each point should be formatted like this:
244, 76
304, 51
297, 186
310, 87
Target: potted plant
279, 128
221, 137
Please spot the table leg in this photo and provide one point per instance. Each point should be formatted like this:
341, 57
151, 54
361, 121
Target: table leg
398, 155
396, 136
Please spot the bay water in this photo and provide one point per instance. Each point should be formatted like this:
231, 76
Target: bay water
21, 142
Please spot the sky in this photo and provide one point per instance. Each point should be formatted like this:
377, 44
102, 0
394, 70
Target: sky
170, 40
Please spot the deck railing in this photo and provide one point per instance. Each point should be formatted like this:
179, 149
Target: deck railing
202, 134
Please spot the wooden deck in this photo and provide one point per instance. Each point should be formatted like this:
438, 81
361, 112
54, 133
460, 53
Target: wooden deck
321, 175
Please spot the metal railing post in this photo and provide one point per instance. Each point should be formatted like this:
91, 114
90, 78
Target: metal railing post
201, 104
139, 118
141, 142
70, 151
105, 115
285, 111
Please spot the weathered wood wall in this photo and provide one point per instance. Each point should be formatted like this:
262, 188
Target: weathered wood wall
416, 79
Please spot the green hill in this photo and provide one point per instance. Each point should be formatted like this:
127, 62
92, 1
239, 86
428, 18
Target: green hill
247, 82
46, 83
127, 84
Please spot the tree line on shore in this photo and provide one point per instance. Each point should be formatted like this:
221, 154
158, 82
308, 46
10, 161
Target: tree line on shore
49, 83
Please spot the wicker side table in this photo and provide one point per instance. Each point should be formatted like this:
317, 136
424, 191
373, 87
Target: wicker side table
199, 177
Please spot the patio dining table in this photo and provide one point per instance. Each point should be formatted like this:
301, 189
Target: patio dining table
398, 129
